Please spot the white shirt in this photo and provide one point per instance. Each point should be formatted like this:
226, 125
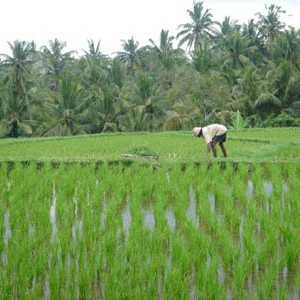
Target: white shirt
210, 131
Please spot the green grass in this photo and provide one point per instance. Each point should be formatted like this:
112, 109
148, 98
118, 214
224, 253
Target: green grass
249, 145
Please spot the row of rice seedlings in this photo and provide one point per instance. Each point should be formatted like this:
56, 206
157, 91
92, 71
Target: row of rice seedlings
247, 227
89, 246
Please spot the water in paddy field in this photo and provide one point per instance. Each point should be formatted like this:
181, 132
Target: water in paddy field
268, 186
127, 220
191, 212
250, 189
171, 220
7, 232
52, 214
7, 235
149, 219
212, 202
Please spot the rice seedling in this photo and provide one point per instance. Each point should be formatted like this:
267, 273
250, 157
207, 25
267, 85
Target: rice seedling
144, 230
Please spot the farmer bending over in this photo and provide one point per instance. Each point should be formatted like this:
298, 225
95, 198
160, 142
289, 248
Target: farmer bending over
213, 134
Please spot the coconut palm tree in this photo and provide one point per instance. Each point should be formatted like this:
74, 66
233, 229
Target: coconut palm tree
281, 91
18, 65
15, 101
270, 25
56, 61
65, 115
201, 26
286, 47
130, 55
165, 50
237, 50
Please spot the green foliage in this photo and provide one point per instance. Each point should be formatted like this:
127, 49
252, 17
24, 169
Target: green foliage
282, 120
227, 67
142, 151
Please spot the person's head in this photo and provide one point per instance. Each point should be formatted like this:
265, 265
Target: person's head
197, 131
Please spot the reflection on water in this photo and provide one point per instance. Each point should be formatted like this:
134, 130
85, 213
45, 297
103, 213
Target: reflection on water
53, 214
268, 186
31, 230
149, 220
126, 218
212, 202
7, 236
171, 220
250, 189
47, 293
191, 212
7, 232
160, 293
285, 190
103, 215
193, 288
221, 274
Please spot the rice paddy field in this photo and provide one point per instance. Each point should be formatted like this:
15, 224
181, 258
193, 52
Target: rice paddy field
79, 219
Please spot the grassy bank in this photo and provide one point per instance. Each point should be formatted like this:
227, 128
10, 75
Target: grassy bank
250, 145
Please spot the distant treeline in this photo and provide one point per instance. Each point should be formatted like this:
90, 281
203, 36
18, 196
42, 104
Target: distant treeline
242, 75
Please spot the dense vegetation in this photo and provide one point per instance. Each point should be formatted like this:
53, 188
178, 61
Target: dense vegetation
243, 75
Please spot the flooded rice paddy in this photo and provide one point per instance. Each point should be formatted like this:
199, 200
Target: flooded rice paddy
73, 231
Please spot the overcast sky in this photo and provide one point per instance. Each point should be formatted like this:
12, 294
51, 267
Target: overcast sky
111, 21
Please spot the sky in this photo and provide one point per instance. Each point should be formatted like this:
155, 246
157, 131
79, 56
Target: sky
111, 21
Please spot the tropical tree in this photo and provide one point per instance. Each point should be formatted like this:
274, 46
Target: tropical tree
201, 26
56, 61
270, 25
65, 114
18, 65
286, 46
130, 55
94, 49
203, 58
14, 114
282, 91
165, 50
246, 91
237, 50
15, 103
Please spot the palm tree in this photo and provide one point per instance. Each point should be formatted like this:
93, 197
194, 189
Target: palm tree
165, 50
227, 26
65, 115
17, 65
56, 61
203, 57
15, 103
281, 91
94, 50
237, 49
201, 26
246, 91
130, 55
286, 47
270, 25
14, 114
